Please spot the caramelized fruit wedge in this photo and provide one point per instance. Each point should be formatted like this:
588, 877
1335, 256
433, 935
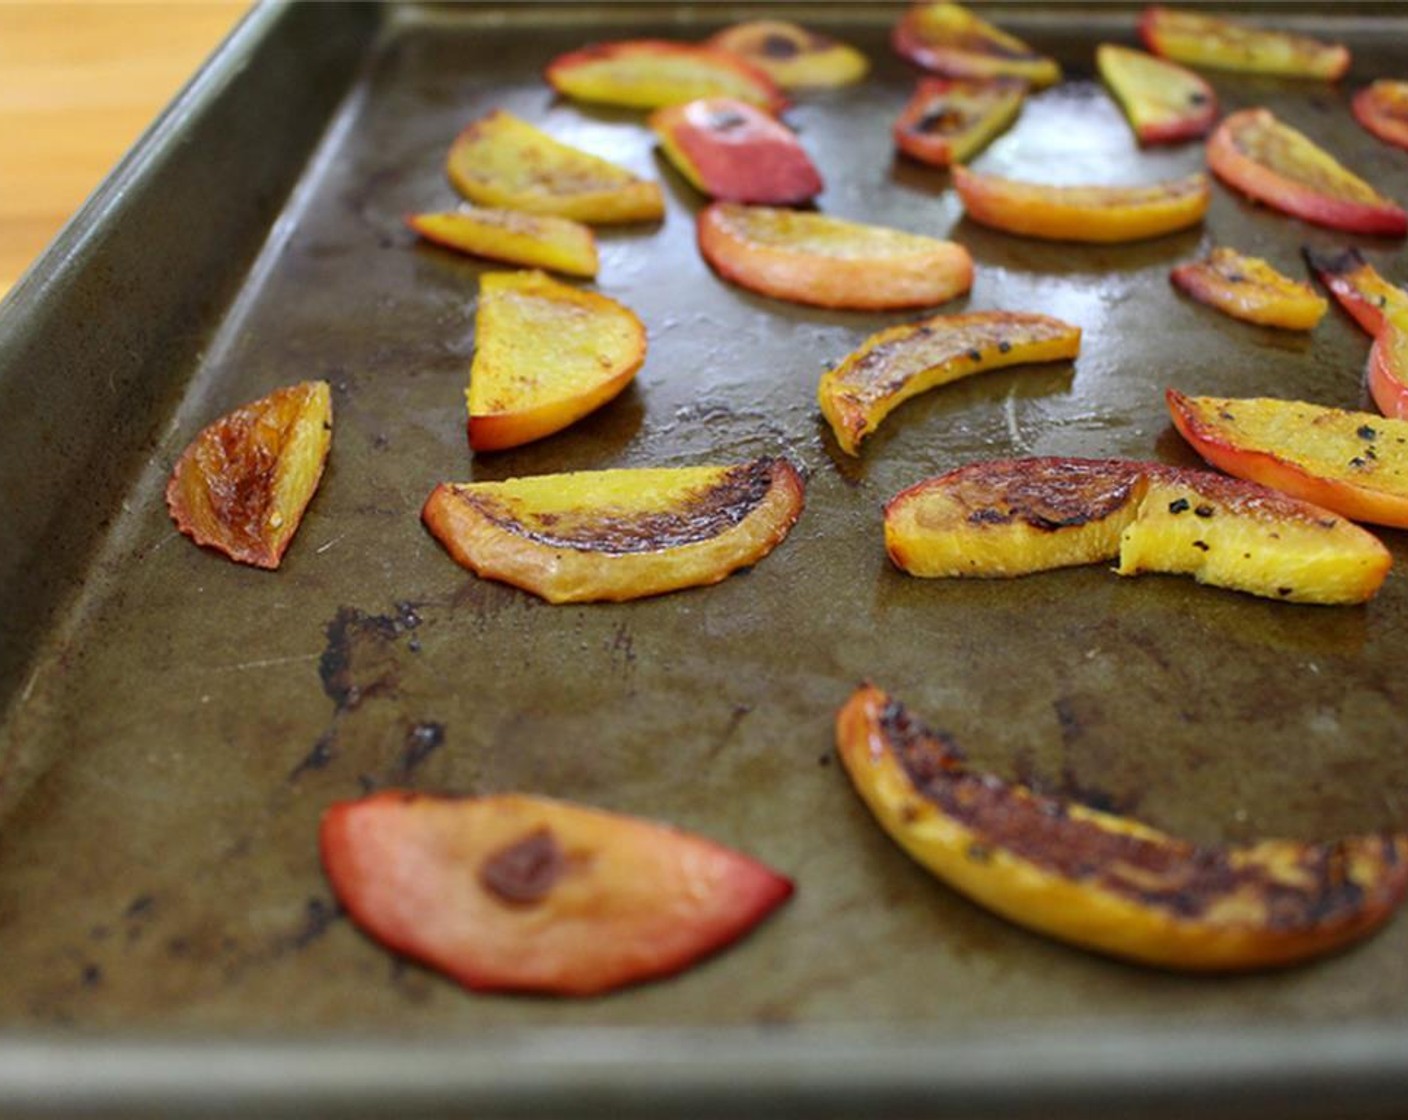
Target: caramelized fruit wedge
829, 262
650, 73
1388, 364
526, 894
1017, 516
617, 534
791, 55
1382, 108
1163, 102
903, 361
504, 162
531, 240
545, 355
1199, 39
1354, 463
731, 150
1249, 288
1252, 152
1083, 213
950, 120
241, 486
1109, 883
1357, 285
949, 39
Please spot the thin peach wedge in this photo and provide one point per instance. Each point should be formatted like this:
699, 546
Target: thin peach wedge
545, 355
830, 262
1017, 516
1250, 289
901, 362
651, 73
1104, 882
513, 237
1254, 153
1100, 214
1202, 39
950, 120
1382, 108
617, 534
503, 161
731, 150
793, 56
949, 39
1388, 364
1357, 285
242, 485
518, 893
1165, 103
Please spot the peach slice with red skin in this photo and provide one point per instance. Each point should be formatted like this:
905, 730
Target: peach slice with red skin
1164, 103
617, 534
1105, 882
949, 120
793, 56
1254, 153
530, 240
830, 262
1354, 463
242, 485
1013, 517
734, 151
1382, 108
1388, 364
1250, 289
1200, 39
1357, 285
517, 893
1100, 214
904, 361
950, 40
651, 73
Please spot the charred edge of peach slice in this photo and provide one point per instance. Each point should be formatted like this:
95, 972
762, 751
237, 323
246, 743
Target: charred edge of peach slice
1356, 285
1167, 890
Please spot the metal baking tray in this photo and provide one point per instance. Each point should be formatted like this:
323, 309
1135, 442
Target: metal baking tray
174, 724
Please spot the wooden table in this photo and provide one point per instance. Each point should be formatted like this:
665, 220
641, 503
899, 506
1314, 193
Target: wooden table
79, 82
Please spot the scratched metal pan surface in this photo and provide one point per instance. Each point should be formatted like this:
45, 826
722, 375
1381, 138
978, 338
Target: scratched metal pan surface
176, 724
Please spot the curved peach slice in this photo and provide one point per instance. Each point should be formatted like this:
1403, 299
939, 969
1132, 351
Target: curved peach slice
545, 355
527, 894
731, 150
1354, 463
502, 161
829, 262
1105, 882
949, 120
242, 484
1252, 152
1226, 44
951, 40
531, 240
1249, 288
1083, 213
650, 73
617, 534
1164, 102
1357, 285
1388, 364
1382, 108
1017, 516
791, 55
901, 362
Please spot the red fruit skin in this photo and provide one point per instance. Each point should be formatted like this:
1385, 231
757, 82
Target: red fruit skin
1382, 108
741, 154
1387, 372
1358, 287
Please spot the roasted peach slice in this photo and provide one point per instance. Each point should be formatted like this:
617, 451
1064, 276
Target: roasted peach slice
1382, 108
1016, 516
949, 39
1388, 364
829, 262
545, 355
1199, 39
617, 534
650, 73
1357, 285
504, 162
517, 893
1165, 103
1083, 213
1109, 883
903, 361
1252, 152
1354, 463
531, 240
242, 484
950, 120
791, 55
731, 150
1249, 288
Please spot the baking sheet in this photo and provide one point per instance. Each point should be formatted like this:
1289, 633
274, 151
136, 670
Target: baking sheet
176, 723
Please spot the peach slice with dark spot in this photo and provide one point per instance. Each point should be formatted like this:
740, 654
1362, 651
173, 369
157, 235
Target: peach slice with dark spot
515, 893
1382, 108
793, 56
949, 120
1250, 289
1165, 103
651, 73
531, 240
950, 40
1357, 285
1203, 39
1105, 882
